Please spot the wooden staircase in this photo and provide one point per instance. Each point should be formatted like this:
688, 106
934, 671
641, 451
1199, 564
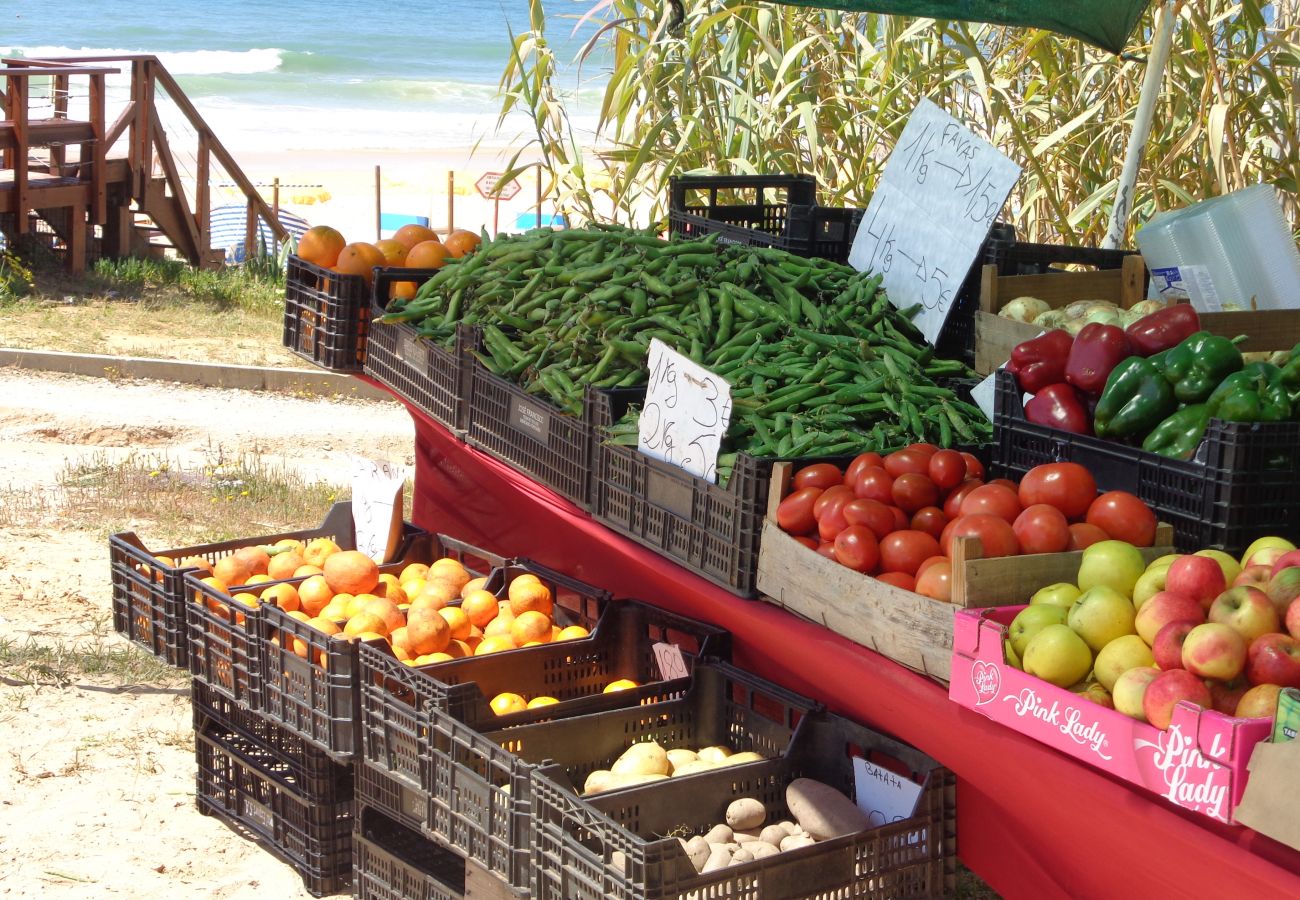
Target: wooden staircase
114, 186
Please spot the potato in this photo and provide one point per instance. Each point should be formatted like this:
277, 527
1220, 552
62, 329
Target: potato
719, 834
643, 758
790, 827
745, 813
795, 841
596, 781
823, 811
617, 780
741, 856
680, 757
618, 862
698, 849
773, 834
762, 849
743, 837
694, 767
748, 756
719, 858
713, 754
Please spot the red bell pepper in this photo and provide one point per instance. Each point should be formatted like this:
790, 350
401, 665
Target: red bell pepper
1058, 406
1096, 350
1039, 362
1163, 329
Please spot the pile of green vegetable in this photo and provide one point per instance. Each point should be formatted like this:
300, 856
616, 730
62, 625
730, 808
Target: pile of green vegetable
819, 361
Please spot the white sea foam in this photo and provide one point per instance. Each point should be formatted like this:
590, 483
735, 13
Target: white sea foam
180, 62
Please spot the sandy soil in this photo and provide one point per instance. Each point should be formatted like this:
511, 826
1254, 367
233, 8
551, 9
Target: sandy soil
97, 780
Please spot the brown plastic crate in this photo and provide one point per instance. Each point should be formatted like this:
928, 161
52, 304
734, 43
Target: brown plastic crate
395, 697
301, 816
325, 319
318, 695
393, 862
575, 838
149, 596
479, 786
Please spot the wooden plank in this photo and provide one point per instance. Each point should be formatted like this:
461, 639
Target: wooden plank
58, 154
183, 231
17, 154
76, 238
114, 132
202, 195
98, 148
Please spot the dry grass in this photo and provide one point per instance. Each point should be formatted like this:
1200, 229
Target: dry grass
61, 663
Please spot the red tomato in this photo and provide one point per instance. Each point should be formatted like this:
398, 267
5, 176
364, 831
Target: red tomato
997, 499
822, 475
874, 483
913, 491
898, 580
857, 548
925, 564
928, 449
947, 469
838, 492
809, 542
872, 513
831, 522
860, 462
974, 468
1006, 483
901, 462
1083, 536
904, 551
795, 513
931, 520
1067, 486
901, 521
1042, 528
995, 533
827, 549
1124, 517
952, 505
936, 581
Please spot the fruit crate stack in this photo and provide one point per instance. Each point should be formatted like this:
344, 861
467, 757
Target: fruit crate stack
325, 319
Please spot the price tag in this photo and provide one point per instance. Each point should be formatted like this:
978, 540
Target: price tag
941, 189
984, 393
671, 662
1190, 283
377, 506
883, 795
686, 413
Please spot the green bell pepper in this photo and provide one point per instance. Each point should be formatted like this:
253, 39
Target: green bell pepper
1199, 364
1255, 394
1179, 435
1290, 370
1137, 397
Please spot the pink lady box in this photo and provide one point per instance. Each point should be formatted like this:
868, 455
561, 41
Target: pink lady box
1199, 763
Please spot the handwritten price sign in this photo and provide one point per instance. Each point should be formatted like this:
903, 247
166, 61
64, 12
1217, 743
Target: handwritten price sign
940, 192
686, 413
377, 506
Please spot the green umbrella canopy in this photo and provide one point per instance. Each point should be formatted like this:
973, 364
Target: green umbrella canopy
1105, 23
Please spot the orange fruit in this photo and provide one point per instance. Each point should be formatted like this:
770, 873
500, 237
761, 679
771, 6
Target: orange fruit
335, 611
351, 572
499, 625
193, 562
541, 701
284, 596
621, 684
474, 584
258, 559
283, 565
387, 610
356, 603
572, 633
480, 606
527, 592
449, 570
233, 569
413, 570
394, 252
289, 544
359, 258
461, 242
429, 633
410, 235
321, 245
427, 255
324, 625
507, 703
529, 627
250, 600
402, 290
457, 621
439, 590
317, 549
259, 578
494, 644
365, 623
217, 586
458, 649
389, 587
305, 571
400, 638
314, 593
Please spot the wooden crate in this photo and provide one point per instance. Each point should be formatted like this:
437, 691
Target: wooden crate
905, 626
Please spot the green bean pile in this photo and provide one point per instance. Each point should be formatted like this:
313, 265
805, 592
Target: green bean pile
819, 361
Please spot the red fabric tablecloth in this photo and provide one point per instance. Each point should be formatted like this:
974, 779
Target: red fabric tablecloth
1032, 822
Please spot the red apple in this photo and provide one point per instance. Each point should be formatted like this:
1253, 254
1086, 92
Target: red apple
1286, 561
1274, 659
1165, 607
1166, 689
1213, 650
1225, 695
1265, 556
1167, 647
1260, 702
1293, 619
1283, 588
1198, 577
1254, 576
1246, 610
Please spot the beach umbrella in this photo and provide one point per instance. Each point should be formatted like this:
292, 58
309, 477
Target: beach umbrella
1103, 23
228, 226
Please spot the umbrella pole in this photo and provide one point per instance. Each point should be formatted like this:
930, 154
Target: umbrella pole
1166, 16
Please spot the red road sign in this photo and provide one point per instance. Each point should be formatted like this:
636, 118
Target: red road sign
488, 183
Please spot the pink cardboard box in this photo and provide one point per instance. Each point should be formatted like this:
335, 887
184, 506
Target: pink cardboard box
1199, 763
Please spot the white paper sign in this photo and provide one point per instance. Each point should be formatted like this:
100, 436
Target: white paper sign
984, 393
883, 795
686, 413
1191, 283
671, 662
940, 191
377, 506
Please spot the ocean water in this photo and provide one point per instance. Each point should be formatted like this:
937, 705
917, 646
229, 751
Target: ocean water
331, 76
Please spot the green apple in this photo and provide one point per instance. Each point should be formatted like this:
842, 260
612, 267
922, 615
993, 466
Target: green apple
1057, 655
1060, 594
1102, 614
1261, 543
1120, 655
1094, 691
1163, 562
1231, 568
1030, 620
1013, 658
1112, 564
1149, 583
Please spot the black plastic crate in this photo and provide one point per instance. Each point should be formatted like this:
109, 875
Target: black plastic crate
750, 210
478, 783
149, 595
311, 680
575, 838
396, 698
1243, 482
393, 862
222, 634
432, 378
303, 817
325, 318
396, 799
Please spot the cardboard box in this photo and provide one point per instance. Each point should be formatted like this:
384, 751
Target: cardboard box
1268, 805
1199, 762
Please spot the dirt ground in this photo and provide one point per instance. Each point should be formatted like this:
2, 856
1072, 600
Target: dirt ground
97, 776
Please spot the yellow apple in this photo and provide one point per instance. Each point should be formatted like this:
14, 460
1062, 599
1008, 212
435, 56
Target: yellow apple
1120, 655
1057, 655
